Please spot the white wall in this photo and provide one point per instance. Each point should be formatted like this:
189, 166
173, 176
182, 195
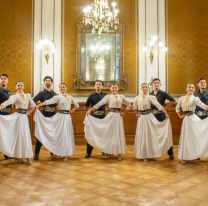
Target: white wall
47, 24
151, 22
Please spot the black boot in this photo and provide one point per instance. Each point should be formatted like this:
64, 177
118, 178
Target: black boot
87, 155
36, 157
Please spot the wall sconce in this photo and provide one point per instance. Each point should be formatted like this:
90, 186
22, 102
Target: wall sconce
50, 46
152, 44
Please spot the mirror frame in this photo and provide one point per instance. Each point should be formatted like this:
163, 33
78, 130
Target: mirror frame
78, 83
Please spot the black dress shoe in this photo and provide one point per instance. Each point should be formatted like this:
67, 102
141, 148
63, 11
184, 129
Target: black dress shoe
51, 153
171, 157
36, 157
87, 155
6, 157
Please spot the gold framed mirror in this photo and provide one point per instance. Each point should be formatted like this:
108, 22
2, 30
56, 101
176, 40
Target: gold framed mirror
99, 57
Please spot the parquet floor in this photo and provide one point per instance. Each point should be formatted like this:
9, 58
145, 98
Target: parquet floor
101, 181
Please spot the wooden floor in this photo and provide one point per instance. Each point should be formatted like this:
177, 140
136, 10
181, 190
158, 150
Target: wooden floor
101, 181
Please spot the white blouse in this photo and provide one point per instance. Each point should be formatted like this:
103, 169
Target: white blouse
145, 104
188, 103
21, 101
64, 101
114, 101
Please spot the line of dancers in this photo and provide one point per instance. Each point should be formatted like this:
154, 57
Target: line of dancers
153, 135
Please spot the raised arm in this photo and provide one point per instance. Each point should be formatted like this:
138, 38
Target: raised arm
11, 100
199, 103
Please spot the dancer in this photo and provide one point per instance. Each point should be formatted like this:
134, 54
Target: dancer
4, 95
56, 133
203, 96
107, 135
161, 96
15, 139
193, 141
153, 138
48, 111
99, 113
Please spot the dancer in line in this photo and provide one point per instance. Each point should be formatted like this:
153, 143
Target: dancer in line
193, 141
202, 93
15, 139
49, 110
161, 96
99, 113
56, 133
4, 95
107, 135
153, 138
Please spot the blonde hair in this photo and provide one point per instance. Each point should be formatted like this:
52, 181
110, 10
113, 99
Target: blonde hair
189, 84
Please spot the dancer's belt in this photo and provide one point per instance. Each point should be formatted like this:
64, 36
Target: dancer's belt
144, 112
116, 110
6, 110
64, 111
188, 113
22, 111
49, 109
96, 112
202, 113
155, 111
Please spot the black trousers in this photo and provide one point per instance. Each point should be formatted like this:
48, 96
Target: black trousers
161, 117
89, 147
38, 143
4, 113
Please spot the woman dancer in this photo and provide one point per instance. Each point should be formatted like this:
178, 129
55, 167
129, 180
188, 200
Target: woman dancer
15, 139
193, 141
56, 133
107, 134
153, 138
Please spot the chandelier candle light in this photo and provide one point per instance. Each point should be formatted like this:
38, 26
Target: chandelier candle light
49, 44
152, 44
100, 17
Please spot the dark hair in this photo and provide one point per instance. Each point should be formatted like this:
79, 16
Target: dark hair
98, 81
18, 82
156, 79
144, 83
200, 79
114, 84
48, 77
62, 83
5, 75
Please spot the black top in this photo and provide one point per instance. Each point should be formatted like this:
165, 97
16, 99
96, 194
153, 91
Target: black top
94, 98
161, 98
203, 97
45, 95
4, 95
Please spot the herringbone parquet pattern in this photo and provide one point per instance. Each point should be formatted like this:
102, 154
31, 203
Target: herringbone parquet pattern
101, 181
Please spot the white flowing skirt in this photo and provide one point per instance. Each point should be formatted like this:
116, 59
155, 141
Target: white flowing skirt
15, 138
193, 141
55, 133
153, 138
107, 135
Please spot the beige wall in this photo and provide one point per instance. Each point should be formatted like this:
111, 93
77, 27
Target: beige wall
73, 12
15, 41
187, 43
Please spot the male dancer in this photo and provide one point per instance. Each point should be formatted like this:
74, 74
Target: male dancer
4, 95
203, 96
48, 110
161, 96
99, 113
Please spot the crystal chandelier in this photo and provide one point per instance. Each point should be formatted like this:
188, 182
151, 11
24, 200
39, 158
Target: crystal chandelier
100, 51
100, 17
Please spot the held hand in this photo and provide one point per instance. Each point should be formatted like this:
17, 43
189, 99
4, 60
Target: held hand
122, 114
1, 107
138, 115
207, 108
167, 115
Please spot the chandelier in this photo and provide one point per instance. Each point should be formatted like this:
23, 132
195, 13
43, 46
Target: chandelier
100, 51
100, 17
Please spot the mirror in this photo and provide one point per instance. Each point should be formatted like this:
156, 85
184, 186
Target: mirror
99, 57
